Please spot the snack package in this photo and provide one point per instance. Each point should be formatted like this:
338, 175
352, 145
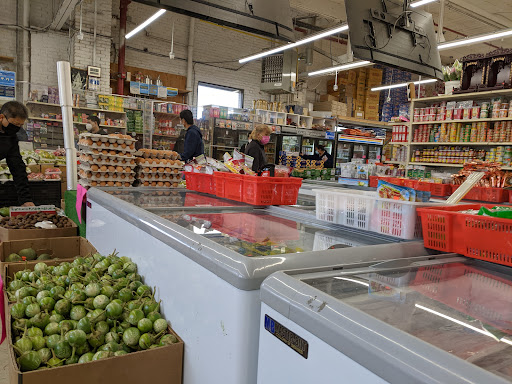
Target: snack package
247, 170
217, 165
235, 166
395, 192
249, 160
282, 171
201, 159
237, 155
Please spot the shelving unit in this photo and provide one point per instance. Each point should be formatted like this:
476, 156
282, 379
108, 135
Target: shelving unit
424, 102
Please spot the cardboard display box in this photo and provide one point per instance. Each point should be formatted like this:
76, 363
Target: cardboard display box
23, 234
163, 365
57, 247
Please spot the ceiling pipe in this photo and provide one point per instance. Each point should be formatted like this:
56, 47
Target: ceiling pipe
440, 37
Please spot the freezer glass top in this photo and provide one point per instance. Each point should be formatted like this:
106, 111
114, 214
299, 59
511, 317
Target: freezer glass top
168, 198
462, 308
258, 233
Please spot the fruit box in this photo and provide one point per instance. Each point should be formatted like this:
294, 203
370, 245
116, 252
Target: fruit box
163, 365
23, 234
56, 247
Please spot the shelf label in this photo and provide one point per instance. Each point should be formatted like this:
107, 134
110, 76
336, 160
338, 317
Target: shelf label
291, 339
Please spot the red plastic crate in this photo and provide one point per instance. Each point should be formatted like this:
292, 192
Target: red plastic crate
205, 183
494, 195
473, 194
259, 190
424, 186
480, 237
395, 180
191, 181
228, 185
438, 189
374, 181
411, 183
287, 190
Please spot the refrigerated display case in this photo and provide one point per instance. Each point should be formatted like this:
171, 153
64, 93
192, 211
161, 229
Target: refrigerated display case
359, 152
402, 321
208, 263
309, 145
374, 153
343, 153
291, 144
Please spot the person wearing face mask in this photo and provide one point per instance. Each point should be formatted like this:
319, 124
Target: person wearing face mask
259, 137
12, 116
194, 145
320, 155
93, 126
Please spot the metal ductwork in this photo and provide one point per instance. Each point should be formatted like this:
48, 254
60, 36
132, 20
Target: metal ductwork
271, 18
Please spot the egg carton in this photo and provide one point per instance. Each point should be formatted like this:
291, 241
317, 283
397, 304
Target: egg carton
166, 170
93, 157
101, 148
110, 177
159, 162
106, 168
165, 184
157, 154
159, 177
89, 159
112, 138
115, 163
92, 183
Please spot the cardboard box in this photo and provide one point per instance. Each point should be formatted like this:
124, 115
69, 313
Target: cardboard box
44, 167
328, 98
57, 247
35, 168
24, 234
163, 365
359, 114
374, 76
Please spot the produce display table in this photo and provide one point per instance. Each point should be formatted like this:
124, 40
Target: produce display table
43, 193
209, 264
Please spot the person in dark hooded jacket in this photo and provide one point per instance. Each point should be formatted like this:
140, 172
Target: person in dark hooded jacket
194, 145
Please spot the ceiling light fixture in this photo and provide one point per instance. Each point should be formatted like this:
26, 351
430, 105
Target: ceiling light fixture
420, 3
145, 24
401, 85
343, 67
306, 40
474, 40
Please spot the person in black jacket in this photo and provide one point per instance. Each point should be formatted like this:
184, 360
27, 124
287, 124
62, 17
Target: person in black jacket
259, 137
321, 155
194, 145
12, 116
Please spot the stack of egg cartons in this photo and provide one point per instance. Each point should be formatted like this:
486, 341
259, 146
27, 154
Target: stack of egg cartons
158, 168
106, 160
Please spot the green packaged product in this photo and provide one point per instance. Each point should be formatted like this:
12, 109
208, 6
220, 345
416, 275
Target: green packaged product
498, 212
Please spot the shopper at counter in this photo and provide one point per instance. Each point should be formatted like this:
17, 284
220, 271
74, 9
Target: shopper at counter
320, 155
93, 126
194, 145
259, 137
12, 116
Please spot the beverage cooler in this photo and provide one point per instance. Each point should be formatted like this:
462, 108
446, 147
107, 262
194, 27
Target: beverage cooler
291, 144
354, 148
309, 145
404, 321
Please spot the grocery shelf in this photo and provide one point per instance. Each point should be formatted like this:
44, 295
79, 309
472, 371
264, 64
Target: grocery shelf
98, 110
169, 136
466, 96
354, 121
101, 125
395, 162
404, 143
166, 113
449, 165
463, 121
399, 123
43, 119
42, 103
133, 109
486, 143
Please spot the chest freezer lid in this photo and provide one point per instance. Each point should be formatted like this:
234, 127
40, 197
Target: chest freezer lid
246, 273
430, 322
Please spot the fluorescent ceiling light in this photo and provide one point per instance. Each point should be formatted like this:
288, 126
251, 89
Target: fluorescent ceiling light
421, 2
306, 40
353, 281
474, 40
145, 24
343, 67
401, 85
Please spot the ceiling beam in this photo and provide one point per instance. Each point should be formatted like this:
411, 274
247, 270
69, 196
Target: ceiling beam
330, 9
494, 19
62, 15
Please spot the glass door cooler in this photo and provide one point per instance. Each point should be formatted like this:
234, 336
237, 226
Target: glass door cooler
291, 144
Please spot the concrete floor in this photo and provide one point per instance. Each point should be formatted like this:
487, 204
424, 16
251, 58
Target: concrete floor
4, 374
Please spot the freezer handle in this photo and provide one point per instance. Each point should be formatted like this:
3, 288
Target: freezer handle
402, 263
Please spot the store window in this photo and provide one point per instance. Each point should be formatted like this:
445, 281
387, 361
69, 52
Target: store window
211, 94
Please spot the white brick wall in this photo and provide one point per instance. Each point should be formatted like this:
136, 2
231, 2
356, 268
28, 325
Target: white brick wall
46, 49
8, 36
213, 44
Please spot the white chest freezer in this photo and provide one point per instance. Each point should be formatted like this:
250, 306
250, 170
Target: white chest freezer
437, 321
208, 260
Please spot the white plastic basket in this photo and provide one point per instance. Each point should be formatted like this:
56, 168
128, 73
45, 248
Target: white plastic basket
365, 210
